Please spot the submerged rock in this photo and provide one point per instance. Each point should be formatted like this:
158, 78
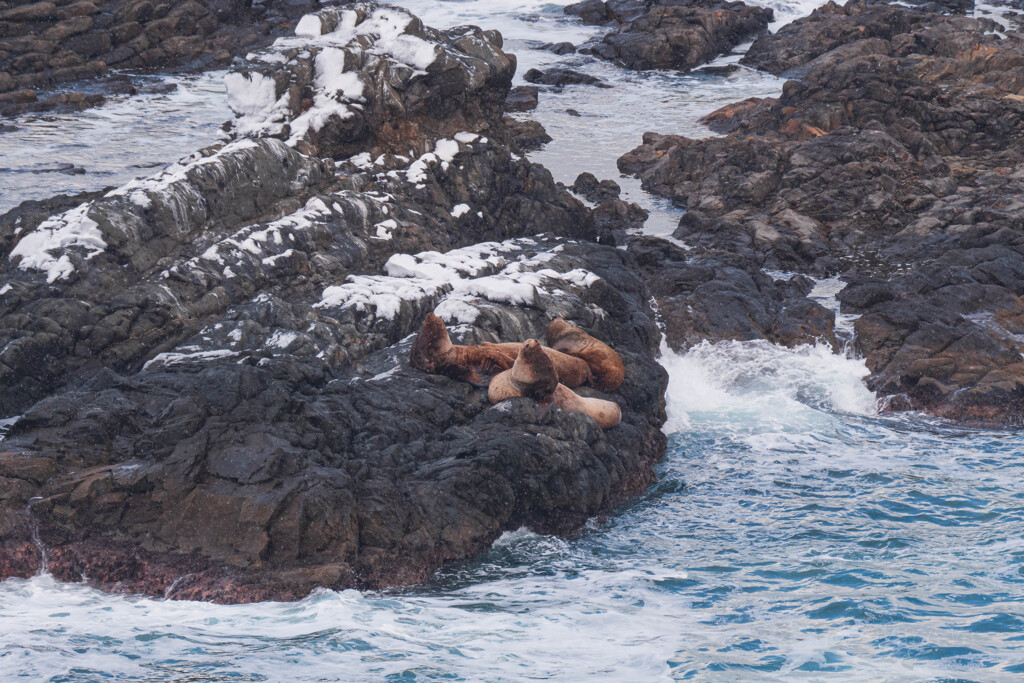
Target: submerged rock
563, 48
560, 76
522, 98
210, 365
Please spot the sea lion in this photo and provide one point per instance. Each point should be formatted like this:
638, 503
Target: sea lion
433, 351
572, 371
605, 365
606, 414
532, 375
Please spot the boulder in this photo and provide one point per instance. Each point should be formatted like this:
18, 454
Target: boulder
668, 34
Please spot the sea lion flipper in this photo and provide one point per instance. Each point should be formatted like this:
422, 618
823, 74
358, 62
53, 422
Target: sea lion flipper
606, 414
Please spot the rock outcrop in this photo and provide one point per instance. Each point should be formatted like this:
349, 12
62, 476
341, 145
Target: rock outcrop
210, 366
720, 296
670, 34
895, 159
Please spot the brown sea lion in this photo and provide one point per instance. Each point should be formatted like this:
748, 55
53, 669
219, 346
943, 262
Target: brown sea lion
532, 375
433, 351
606, 414
605, 365
572, 371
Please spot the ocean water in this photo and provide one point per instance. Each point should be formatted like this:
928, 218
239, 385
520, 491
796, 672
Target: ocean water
793, 532
53, 153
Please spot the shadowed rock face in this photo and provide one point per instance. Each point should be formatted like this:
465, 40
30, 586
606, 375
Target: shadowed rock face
670, 34
211, 365
896, 160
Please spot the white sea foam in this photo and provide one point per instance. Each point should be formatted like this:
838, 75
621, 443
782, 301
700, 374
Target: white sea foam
757, 383
253, 99
105, 140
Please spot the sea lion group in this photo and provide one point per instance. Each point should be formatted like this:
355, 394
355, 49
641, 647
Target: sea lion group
544, 373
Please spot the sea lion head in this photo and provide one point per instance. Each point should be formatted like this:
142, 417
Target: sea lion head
556, 330
534, 371
431, 344
532, 375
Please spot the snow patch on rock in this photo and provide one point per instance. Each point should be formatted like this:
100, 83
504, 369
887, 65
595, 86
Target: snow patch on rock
45, 247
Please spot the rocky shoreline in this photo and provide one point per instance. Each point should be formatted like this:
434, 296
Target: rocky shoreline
45, 46
210, 366
893, 157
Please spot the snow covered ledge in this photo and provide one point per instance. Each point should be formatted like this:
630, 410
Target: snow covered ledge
370, 78
148, 219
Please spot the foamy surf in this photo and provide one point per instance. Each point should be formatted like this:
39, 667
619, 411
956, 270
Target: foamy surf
757, 384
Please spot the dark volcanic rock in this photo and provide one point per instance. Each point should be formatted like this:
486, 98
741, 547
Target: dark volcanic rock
563, 48
559, 76
587, 185
210, 365
947, 336
526, 135
44, 45
896, 157
613, 217
719, 296
522, 98
669, 34
826, 28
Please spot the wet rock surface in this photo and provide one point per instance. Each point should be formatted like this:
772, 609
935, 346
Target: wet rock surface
893, 158
522, 98
210, 365
614, 219
670, 34
560, 76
